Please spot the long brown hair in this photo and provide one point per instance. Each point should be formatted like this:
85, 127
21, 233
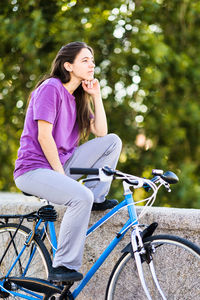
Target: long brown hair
68, 53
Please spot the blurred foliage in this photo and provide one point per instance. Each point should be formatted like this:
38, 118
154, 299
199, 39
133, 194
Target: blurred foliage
147, 61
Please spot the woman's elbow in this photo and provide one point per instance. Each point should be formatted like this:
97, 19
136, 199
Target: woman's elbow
43, 138
101, 133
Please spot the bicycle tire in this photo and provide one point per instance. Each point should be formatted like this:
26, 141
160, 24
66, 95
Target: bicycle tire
177, 266
40, 263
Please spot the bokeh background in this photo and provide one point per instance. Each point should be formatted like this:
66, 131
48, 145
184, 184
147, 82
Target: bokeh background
147, 55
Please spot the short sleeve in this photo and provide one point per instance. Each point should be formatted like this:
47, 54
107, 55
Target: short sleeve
46, 102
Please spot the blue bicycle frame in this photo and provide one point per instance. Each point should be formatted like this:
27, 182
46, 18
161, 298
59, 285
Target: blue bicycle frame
16, 294
128, 201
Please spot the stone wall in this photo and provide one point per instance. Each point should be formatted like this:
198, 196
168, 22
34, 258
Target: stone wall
182, 222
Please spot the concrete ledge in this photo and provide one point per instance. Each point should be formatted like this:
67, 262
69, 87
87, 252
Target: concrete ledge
181, 222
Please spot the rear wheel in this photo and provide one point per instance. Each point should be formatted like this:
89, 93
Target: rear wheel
29, 265
177, 266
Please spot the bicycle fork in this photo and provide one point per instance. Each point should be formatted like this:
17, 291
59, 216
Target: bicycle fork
138, 250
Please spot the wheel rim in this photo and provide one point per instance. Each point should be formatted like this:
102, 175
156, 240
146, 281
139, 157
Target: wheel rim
177, 269
37, 267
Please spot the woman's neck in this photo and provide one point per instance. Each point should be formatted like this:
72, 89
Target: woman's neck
72, 85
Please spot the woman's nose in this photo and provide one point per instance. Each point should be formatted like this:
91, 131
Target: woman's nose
92, 64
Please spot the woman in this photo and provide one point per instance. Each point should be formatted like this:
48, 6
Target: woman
58, 116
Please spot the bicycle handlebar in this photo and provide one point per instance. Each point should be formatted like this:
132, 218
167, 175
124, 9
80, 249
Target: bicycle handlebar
169, 177
106, 174
84, 171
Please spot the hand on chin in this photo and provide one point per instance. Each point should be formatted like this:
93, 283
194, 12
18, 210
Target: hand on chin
91, 86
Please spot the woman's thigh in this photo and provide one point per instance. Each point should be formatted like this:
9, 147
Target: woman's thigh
52, 186
86, 155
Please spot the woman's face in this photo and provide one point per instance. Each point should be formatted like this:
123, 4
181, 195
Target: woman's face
83, 65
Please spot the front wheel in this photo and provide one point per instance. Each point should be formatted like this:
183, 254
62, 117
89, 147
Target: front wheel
177, 267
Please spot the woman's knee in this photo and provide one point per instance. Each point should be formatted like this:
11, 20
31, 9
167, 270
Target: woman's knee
85, 197
89, 197
115, 140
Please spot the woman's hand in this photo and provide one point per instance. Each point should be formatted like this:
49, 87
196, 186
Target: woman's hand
92, 87
98, 124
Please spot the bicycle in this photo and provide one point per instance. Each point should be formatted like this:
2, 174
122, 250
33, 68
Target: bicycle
147, 265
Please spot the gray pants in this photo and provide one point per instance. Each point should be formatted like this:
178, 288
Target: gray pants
61, 189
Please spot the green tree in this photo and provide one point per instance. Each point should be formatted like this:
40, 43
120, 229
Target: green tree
147, 61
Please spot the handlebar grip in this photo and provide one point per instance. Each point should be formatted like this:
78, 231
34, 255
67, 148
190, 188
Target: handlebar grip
84, 171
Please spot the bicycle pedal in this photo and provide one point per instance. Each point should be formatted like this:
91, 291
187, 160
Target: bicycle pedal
62, 283
68, 283
66, 294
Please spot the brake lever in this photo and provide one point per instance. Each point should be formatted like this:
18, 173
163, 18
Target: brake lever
108, 171
166, 185
147, 187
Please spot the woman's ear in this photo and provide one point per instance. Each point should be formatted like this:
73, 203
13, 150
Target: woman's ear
67, 66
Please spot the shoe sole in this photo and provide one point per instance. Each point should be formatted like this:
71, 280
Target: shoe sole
102, 206
102, 209
64, 279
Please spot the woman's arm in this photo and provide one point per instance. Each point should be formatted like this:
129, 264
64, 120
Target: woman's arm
98, 125
48, 145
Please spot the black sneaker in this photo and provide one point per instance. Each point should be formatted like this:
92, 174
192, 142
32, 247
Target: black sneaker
107, 204
64, 274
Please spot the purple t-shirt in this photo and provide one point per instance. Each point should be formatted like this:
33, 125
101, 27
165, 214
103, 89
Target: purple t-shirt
50, 102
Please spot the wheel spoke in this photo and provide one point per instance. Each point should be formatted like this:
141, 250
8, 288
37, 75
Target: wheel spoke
176, 270
37, 267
